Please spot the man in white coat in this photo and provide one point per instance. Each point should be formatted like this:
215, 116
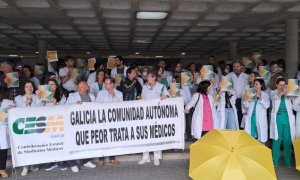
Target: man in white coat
108, 95
120, 67
239, 81
80, 97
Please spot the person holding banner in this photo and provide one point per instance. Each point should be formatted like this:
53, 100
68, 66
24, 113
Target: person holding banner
28, 99
256, 122
79, 97
109, 94
99, 83
282, 124
4, 139
205, 116
153, 89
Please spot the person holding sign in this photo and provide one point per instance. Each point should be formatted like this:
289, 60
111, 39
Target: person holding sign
107, 95
120, 67
227, 110
68, 83
28, 99
205, 116
4, 139
256, 122
282, 123
58, 98
153, 89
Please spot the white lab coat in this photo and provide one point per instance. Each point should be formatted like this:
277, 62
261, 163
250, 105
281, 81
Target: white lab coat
238, 82
296, 107
20, 101
91, 78
275, 106
114, 71
4, 136
94, 88
75, 97
221, 110
197, 120
261, 116
186, 95
105, 97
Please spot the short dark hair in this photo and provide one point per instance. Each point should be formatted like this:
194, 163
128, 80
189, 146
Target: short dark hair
255, 74
111, 79
130, 69
23, 86
279, 80
68, 57
120, 58
222, 63
154, 73
203, 86
273, 63
262, 83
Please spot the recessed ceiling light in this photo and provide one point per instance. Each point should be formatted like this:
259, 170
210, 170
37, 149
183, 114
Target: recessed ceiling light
159, 56
151, 15
88, 52
37, 52
183, 53
12, 55
137, 53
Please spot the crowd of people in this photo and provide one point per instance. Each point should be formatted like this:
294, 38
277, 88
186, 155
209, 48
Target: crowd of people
272, 115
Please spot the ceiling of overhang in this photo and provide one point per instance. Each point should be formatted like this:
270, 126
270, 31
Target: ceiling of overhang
201, 26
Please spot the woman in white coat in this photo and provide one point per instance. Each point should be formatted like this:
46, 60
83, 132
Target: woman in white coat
28, 99
99, 83
4, 139
153, 89
282, 124
256, 122
296, 107
205, 116
227, 113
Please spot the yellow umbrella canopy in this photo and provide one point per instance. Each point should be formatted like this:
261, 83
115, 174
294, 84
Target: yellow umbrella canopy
230, 155
296, 144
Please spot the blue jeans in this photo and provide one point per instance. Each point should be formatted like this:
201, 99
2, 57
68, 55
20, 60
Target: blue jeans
230, 119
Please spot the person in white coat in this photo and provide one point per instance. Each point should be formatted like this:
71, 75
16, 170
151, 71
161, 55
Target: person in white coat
120, 67
227, 113
82, 95
296, 107
4, 138
58, 96
204, 116
97, 86
282, 124
28, 99
153, 89
108, 95
256, 122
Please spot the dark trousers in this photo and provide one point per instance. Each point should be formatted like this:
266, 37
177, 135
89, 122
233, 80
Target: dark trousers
238, 104
188, 124
3, 158
110, 158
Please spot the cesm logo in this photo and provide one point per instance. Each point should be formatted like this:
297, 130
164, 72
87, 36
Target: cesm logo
31, 125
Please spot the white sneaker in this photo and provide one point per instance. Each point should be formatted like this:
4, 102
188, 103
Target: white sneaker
74, 169
156, 162
89, 165
144, 160
25, 171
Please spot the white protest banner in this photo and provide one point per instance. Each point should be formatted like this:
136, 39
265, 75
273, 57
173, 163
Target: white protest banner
59, 133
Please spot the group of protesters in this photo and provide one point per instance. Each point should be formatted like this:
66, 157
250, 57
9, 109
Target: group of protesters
272, 115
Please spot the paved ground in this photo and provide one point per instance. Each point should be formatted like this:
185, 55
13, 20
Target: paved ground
170, 168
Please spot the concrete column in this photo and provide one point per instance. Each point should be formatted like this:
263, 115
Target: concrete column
42, 43
291, 47
232, 51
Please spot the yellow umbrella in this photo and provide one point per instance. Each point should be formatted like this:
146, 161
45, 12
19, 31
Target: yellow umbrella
296, 144
230, 155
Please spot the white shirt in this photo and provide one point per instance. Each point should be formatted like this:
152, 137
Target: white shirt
91, 78
70, 84
238, 82
4, 138
20, 101
105, 97
156, 91
75, 97
114, 71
